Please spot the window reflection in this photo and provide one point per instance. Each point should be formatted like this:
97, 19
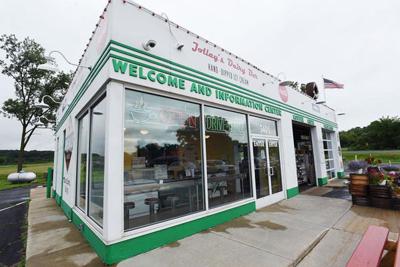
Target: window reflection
97, 147
162, 159
227, 156
83, 140
262, 126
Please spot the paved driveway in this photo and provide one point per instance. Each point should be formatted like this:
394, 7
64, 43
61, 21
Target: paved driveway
278, 235
13, 210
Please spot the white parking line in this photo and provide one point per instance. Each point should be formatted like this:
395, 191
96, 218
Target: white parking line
13, 206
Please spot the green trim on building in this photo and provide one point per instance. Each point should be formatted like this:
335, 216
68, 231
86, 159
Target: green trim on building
237, 88
49, 181
135, 246
292, 192
116, 252
215, 80
58, 198
66, 209
340, 175
322, 181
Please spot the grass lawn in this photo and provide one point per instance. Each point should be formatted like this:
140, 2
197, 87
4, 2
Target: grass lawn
384, 155
38, 168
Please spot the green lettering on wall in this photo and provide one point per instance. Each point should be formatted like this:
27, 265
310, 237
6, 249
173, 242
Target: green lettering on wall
208, 91
193, 88
119, 66
141, 75
133, 70
181, 84
298, 118
161, 79
201, 89
150, 75
172, 81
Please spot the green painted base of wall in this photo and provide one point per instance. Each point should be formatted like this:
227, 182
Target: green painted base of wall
114, 253
340, 175
58, 199
292, 192
322, 181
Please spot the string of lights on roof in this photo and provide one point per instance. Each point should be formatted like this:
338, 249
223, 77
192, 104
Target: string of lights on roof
165, 19
198, 37
102, 16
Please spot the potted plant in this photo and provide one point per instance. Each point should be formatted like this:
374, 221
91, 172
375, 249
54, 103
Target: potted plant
357, 166
395, 185
380, 192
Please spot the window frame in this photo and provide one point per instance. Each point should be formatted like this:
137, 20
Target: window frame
80, 118
136, 232
87, 110
327, 138
250, 171
202, 150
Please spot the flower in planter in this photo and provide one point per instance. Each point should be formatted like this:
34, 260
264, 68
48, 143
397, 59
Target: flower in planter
356, 165
390, 168
376, 177
373, 161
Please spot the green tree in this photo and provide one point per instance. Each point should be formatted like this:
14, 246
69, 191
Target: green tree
380, 134
31, 84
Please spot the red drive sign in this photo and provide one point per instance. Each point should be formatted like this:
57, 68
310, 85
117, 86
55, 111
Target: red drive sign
283, 93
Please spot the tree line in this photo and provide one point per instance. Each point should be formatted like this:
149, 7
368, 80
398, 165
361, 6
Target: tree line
382, 134
8, 157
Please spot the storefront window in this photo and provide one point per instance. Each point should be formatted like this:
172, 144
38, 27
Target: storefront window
163, 176
262, 126
83, 134
227, 156
97, 147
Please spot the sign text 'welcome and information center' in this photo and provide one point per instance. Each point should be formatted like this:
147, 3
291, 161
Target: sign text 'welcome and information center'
136, 71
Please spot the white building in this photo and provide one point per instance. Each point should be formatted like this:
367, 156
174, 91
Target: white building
168, 134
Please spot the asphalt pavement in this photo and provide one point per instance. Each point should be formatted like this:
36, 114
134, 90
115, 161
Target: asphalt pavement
13, 212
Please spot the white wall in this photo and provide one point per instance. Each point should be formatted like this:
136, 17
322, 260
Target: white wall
114, 157
318, 151
288, 165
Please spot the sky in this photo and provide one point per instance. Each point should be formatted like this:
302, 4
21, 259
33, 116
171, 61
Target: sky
356, 43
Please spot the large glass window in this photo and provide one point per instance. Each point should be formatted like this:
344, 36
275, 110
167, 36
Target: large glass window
262, 126
83, 139
97, 147
162, 159
227, 156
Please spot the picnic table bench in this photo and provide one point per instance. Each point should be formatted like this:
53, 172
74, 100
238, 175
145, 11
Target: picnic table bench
370, 249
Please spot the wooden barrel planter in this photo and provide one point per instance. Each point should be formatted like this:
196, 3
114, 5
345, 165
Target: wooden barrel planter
396, 203
380, 196
358, 185
360, 201
358, 188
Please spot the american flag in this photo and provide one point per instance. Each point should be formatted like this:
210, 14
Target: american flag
332, 84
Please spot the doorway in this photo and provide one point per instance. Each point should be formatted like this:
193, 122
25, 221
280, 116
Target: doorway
267, 171
305, 166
